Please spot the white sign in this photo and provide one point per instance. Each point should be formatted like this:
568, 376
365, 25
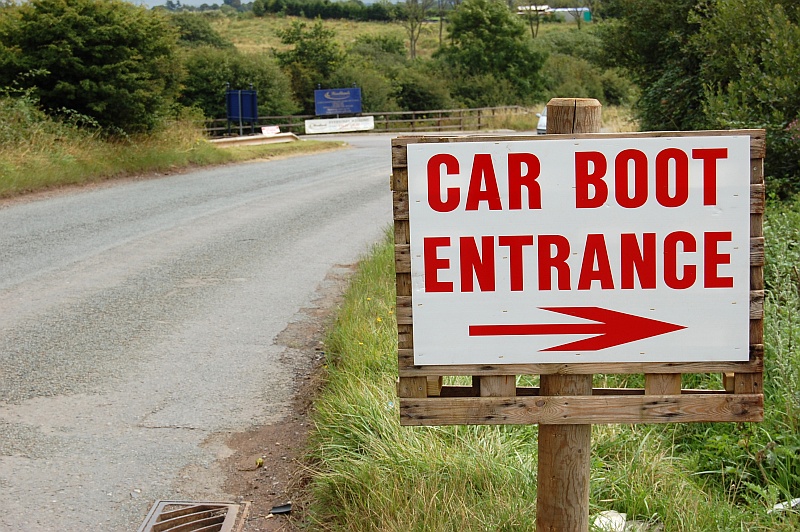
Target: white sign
340, 125
570, 251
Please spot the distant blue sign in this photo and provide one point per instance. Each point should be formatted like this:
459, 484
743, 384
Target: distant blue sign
242, 106
337, 101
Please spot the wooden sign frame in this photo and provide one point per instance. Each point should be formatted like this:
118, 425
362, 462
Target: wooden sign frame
495, 398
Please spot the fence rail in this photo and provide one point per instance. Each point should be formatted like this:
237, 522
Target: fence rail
443, 120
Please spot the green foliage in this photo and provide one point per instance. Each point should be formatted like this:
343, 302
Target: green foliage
106, 59
382, 10
23, 123
575, 65
377, 91
209, 70
420, 88
487, 42
39, 152
721, 64
195, 30
386, 51
314, 55
757, 83
584, 44
567, 74
651, 40
371, 474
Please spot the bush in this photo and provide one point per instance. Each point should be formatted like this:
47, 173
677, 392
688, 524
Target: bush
757, 84
106, 59
195, 30
487, 40
211, 69
583, 44
312, 58
572, 77
419, 88
617, 89
377, 93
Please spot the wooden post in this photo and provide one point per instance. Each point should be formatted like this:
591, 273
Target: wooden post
562, 503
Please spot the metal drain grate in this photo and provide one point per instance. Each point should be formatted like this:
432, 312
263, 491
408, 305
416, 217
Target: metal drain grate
190, 516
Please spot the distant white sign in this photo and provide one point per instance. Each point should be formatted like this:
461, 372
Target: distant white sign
340, 125
569, 251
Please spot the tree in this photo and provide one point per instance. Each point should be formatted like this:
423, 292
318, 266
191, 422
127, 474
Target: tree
652, 40
196, 30
488, 46
533, 14
210, 69
107, 59
412, 16
722, 64
756, 82
314, 56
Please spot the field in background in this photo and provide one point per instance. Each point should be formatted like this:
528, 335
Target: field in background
260, 34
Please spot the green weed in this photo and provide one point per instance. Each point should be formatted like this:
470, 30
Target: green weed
369, 473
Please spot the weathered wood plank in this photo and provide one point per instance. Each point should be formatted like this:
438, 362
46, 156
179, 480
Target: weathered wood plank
757, 252
435, 385
498, 386
412, 387
662, 383
405, 341
402, 258
400, 204
754, 365
758, 143
583, 409
400, 178
756, 304
747, 383
757, 198
756, 169
728, 382
530, 391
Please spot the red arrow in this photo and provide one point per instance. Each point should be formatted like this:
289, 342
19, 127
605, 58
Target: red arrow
611, 327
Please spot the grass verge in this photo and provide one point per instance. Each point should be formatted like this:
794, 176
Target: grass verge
37, 152
371, 474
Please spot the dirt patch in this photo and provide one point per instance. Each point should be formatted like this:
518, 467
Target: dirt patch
266, 467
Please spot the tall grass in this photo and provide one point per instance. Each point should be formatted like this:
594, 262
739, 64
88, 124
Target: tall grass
38, 152
371, 474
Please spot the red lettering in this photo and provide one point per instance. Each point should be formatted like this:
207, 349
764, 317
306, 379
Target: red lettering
709, 157
515, 244
471, 261
595, 253
689, 245
558, 261
483, 172
585, 179
712, 259
517, 180
637, 262
452, 199
433, 264
621, 179
681, 177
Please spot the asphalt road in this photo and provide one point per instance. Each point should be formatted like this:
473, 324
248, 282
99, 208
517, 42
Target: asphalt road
138, 324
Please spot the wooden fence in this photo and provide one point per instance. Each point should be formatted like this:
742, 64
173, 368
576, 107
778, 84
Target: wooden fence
397, 121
